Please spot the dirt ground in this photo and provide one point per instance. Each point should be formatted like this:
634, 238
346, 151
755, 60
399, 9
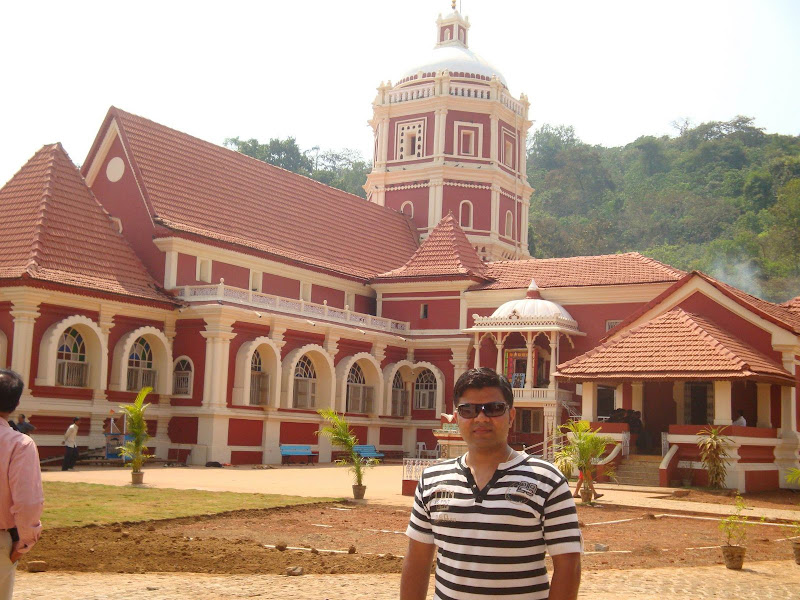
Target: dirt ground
783, 499
242, 542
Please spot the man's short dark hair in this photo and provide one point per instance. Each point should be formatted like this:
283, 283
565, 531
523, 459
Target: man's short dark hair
11, 386
76, 419
477, 379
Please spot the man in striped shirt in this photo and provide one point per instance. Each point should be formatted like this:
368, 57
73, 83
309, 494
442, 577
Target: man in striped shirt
492, 513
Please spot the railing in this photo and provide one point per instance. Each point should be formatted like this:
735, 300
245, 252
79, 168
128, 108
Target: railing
181, 383
470, 91
413, 93
461, 90
225, 293
139, 378
509, 102
664, 443
626, 443
72, 373
413, 467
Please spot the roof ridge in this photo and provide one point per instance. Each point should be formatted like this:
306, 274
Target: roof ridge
44, 203
716, 343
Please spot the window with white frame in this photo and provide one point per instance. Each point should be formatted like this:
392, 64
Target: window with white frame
203, 269
509, 231
72, 370
611, 323
425, 390
360, 396
399, 396
423, 311
305, 384
467, 143
407, 209
259, 381
410, 139
140, 366
182, 377
465, 214
305, 291
508, 154
528, 420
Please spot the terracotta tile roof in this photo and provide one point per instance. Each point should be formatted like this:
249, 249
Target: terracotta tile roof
201, 188
792, 305
578, 271
446, 252
674, 345
54, 230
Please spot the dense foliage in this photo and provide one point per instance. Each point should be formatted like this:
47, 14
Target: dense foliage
721, 197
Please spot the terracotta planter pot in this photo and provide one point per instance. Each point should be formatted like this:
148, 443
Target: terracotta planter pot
137, 478
586, 496
796, 548
734, 556
686, 482
358, 491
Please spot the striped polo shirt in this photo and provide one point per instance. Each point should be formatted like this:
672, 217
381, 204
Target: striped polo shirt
492, 542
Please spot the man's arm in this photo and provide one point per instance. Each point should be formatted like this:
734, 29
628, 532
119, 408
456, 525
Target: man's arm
566, 576
416, 570
27, 498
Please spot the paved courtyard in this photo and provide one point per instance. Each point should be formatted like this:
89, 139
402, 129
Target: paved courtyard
773, 580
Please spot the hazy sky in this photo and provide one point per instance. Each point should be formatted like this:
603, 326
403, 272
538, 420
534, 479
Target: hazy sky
613, 70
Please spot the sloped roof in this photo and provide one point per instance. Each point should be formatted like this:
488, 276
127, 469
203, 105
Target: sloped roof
446, 252
792, 305
200, 188
579, 271
53, 229
674, 345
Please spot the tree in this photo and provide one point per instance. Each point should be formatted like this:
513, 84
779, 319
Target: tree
135, 448
582, 450
281, 153
547, 143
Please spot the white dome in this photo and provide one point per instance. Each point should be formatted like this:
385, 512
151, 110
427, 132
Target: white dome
456, 59
532, 308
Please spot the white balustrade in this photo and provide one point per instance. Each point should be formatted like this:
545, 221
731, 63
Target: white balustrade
470, 91
411, 93
413, 467
225, 293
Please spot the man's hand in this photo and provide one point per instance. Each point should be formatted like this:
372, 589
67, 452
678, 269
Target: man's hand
15, 554
416, 571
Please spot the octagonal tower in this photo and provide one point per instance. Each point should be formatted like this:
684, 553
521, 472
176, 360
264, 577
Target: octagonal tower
450, 137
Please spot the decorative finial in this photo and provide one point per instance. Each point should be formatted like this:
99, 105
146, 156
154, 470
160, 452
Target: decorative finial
454, 4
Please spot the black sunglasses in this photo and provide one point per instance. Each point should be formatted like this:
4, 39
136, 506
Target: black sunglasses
490, 409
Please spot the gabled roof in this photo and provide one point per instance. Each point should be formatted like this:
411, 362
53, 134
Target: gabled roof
780, 315
674, 345
792, 305
578, 271
54, 230
445, 253
203, 189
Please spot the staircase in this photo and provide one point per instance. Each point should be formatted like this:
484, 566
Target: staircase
639, 469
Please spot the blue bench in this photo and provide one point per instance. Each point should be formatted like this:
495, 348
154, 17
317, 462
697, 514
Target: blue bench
368, 451
288, 451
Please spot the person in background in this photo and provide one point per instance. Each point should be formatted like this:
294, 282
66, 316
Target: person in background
70, 446
24, 426
741, 421
21, 495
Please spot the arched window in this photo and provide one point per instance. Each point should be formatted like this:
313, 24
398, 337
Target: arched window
447, 35
425, 391
360, 396
399, 396
259, 381
71, 367
182, 378
465, 214
407, 209
140, 366
509, 225
305, 383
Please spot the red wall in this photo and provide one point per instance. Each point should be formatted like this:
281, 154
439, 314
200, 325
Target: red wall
394, 199
234, 276
659, 409
245, 432
298, 433
391, 436
298, 339
429, 133
469, 117
442, 314
182, 430
320, 293
280, 286
592, 321
187, 270
52, 425
360, 432
189, 342
775, 405
7, 327
364, 304
247, 457
350, 348
759, 481
426, 435
123, 200
481, 205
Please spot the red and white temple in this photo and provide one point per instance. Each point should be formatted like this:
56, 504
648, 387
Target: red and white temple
248, 297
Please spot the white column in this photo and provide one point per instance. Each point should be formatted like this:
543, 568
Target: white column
789, 398
440, 134
383, 141
212, 440
493, 128
106, 322
171, 270
476, 363
589, 402
549, 428
215, 384
495, 208
529, 343
618, 391
678, 388
499, 345
763, 403
554, 342
24, 313
161, 439
722, 403
637, 397
438, 201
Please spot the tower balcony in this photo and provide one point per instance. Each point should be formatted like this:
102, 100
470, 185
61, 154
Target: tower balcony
221, 293
533, 397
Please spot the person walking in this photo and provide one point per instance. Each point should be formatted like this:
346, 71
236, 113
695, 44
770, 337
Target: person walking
21, 495
490, 515
70, 446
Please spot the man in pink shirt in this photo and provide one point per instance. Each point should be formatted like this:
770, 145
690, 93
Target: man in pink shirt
21, 496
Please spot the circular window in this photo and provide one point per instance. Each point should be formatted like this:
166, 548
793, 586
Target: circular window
115, 169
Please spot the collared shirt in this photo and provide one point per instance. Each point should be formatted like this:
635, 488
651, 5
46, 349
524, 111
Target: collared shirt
741, 422
491, 542
70, 436
21, 495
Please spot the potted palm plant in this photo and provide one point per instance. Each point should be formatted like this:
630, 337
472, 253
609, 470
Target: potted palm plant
339, 433
733, 530
713, 444
582, 450
134, 450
